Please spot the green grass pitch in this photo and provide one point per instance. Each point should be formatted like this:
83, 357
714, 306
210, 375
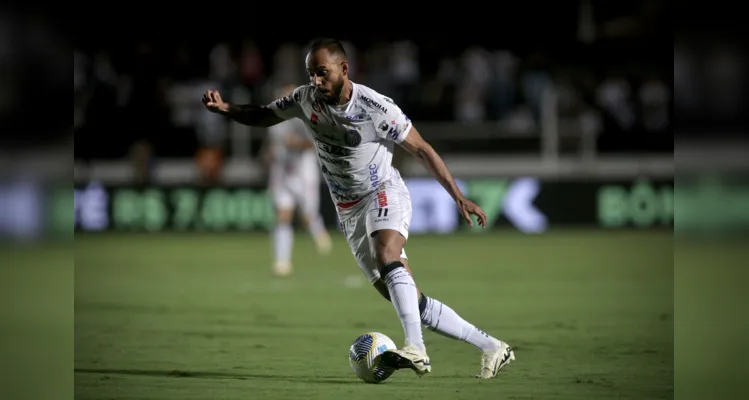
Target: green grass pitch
199, 316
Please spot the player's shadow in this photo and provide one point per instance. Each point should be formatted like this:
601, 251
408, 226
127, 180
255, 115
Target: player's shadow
217, 375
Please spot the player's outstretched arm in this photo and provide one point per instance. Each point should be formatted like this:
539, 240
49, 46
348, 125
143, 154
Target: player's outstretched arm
246, 114
423, 151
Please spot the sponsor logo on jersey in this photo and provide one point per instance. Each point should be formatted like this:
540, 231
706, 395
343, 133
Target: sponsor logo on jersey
356, 117
394, 132
284, 103
374, 178
332, 161
382, 199
344, 197
333, 150
366, 100
338, 188
328, 172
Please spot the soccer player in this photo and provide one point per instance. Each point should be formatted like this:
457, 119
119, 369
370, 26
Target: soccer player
355, 130
294, 182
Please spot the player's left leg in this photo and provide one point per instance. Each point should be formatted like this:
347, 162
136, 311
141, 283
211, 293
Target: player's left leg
440, 318
388, 224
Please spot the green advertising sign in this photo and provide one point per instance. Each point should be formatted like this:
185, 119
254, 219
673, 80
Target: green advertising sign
641, 204
215, 209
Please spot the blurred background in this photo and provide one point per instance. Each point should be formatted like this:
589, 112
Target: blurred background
590, 105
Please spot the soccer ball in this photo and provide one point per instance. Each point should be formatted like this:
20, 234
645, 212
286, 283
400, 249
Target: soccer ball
364, 356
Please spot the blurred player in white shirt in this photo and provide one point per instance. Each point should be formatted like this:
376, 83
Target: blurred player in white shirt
355, 130
294, 184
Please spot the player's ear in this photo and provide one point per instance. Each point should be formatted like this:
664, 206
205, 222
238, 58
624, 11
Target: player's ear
344, 68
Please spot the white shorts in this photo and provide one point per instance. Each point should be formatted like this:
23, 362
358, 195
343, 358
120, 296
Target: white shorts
297, 190
388, 208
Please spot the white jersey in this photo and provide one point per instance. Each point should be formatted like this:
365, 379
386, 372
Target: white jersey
289, 161
354, 141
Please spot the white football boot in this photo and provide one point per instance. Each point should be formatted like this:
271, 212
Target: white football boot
408, 357
282, 269
494, 360
323, 243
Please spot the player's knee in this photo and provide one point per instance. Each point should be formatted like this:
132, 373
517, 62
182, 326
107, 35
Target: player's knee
386, 269
387, 252
388, 246
284, 216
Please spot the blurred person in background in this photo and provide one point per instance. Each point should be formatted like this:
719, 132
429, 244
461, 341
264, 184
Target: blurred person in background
210, 130
145, 110
294, 183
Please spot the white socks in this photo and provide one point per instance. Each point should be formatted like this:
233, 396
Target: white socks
442, 319
283, 239
435, 315
405, 299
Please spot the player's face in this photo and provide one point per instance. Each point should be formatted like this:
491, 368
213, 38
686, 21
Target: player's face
327, 74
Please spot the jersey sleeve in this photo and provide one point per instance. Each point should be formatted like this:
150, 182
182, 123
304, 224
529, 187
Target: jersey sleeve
393, 124
289, 106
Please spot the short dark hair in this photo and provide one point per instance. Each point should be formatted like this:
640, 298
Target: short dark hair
334, 47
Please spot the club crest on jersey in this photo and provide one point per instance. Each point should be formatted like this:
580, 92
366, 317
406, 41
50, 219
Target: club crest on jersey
383, 126
353, 138
284, 103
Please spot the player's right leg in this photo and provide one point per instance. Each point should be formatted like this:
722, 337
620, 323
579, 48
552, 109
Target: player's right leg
283, 231
387, 246
398, 284
440, 318
386, 219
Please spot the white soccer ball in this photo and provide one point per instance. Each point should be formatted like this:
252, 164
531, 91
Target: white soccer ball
364, 357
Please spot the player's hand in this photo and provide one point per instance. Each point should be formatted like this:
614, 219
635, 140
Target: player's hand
212, 101
468, 208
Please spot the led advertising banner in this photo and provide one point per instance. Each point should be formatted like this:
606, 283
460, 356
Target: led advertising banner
529, 205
